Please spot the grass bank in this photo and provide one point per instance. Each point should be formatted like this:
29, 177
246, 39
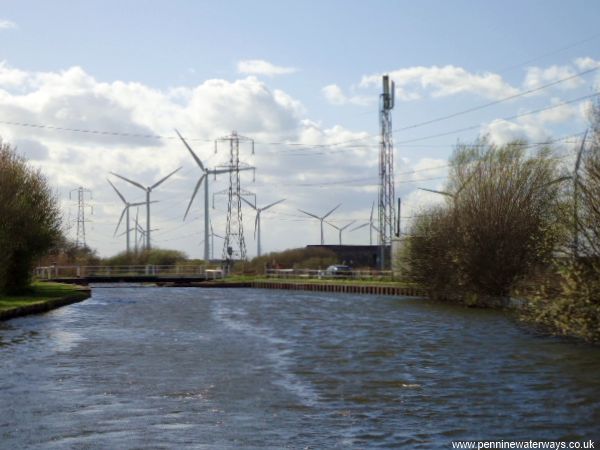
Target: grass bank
42, 297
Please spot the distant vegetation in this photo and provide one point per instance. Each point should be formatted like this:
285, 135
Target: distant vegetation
29, 220
297, 258
155, 256
508, 227
66, 253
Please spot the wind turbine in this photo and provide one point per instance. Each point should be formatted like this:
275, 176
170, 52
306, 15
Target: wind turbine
257, 220
321, 219
212, 240
370, 224
124, 213
206, 171
148, 190
340, 229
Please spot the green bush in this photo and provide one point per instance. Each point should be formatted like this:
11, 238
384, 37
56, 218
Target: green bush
155, 256
498, 224
573, 307
30, 220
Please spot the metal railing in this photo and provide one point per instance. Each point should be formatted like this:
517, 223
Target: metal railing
151, 270
324, 274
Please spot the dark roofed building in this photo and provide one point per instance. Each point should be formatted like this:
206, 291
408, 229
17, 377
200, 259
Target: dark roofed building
356, 256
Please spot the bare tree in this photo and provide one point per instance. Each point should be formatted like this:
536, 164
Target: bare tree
500, 220
588, 216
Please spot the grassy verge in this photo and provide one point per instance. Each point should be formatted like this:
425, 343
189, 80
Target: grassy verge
340, 281
40, 293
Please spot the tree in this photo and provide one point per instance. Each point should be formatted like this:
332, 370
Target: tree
29, 219
588, 214
498, 224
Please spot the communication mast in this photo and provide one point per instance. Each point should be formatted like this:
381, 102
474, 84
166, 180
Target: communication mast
386, 169
234, 246
81, 220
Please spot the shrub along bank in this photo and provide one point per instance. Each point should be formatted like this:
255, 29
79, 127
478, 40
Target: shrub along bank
516, 223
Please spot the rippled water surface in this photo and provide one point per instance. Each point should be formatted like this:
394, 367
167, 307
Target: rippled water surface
239, 368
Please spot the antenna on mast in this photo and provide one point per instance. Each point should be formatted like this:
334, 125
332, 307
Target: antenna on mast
387, 213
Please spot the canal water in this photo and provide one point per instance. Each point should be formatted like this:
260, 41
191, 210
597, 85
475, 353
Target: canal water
211, 369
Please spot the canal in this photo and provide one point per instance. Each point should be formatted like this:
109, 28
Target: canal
148, 367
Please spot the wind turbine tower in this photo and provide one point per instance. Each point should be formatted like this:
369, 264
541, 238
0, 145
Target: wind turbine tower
148, 190
205, 177
234, 244
257, 221
125, 213
370, 224
321, 219
387, 211
340, 229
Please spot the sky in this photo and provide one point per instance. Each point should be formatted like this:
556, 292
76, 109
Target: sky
302, 79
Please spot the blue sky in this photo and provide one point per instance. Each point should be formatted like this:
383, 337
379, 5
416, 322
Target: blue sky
282, 72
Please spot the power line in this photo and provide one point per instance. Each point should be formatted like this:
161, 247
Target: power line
294, 144
516, 116
551, 53
496, 102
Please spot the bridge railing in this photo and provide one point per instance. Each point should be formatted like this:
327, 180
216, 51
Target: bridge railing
324, 274
179, 270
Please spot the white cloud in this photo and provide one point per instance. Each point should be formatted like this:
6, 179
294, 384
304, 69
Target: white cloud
334, 95
7, 25
10, 76
262, 67
72, 98
534, 127
586, 63
536, 77
444, 81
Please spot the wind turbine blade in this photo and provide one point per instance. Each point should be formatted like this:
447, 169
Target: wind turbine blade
256, 219
346, 226
360, 226
371, 216
198, 184
273, 204
117, 191
219, 171
164, 179
246, 201
191, 151
437, 192
142, 203
332, 210
120, 220
135, 183
310, 214
334, 226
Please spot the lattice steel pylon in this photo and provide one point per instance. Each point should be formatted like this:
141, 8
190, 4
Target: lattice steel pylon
387, 213
234, 245
81, 206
